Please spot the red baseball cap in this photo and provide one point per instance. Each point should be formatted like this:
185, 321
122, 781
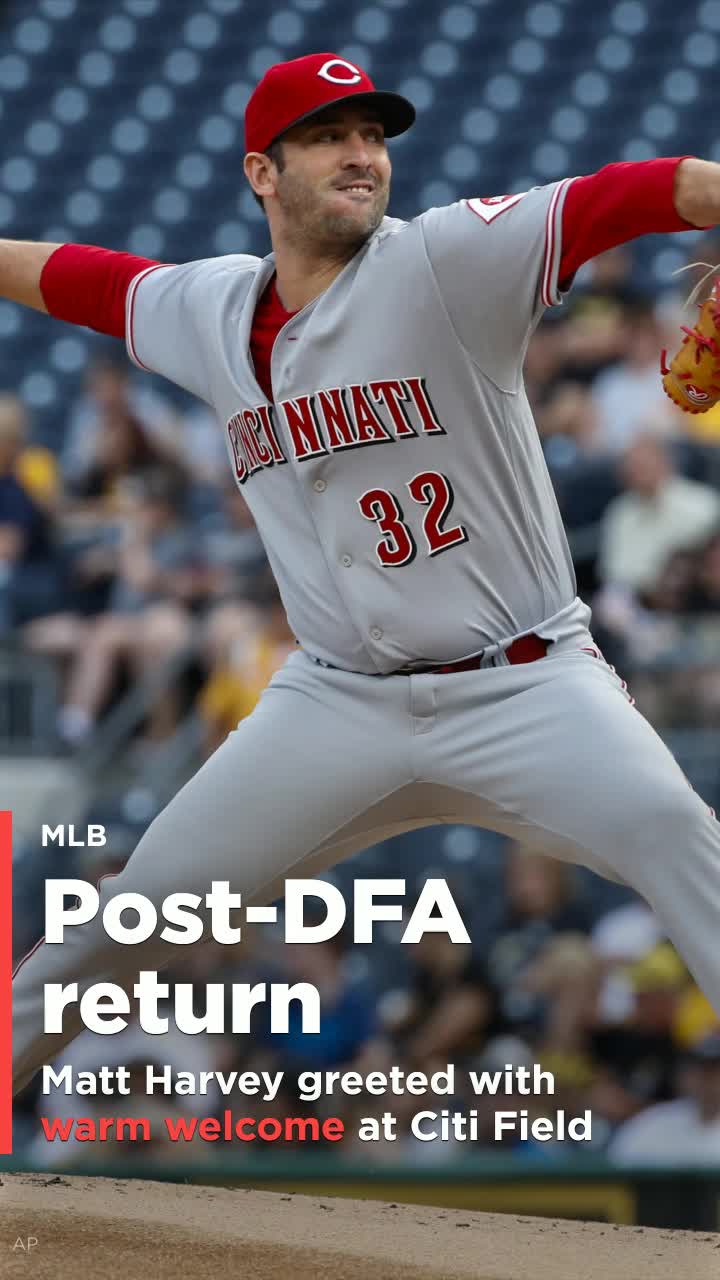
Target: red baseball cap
293, 91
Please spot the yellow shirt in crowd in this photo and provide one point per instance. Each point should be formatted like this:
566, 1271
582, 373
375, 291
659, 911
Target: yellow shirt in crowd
231, 693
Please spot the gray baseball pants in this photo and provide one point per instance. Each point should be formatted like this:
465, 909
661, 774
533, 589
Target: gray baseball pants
551, 753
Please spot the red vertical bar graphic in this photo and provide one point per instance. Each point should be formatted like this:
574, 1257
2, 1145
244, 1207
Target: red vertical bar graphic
5, 982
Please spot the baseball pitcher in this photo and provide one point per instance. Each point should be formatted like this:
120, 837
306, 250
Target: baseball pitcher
367, 376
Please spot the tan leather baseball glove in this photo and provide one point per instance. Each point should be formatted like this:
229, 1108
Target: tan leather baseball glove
692, 379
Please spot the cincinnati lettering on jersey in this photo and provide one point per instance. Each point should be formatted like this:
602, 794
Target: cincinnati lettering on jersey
329, 421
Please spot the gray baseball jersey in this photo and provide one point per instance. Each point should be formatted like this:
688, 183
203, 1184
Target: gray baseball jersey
400, 489
397, 482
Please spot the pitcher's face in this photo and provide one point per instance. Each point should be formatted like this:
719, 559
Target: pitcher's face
334, 186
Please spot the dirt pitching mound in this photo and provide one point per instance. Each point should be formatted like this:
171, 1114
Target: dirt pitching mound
68, 1228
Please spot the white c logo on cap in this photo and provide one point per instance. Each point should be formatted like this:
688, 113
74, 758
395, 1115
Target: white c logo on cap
326, 72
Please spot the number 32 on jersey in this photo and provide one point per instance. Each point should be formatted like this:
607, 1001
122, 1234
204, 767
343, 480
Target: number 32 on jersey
430, 489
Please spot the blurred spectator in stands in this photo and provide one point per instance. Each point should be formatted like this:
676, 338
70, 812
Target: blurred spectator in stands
673, 589
233, 544
584, 477
109, 395
161, 579
201, 441
685, 1131
694, 1017
231, 633
449, 1006
120, 449
602, 292
659, 513
645, 994
645, 631
577, 341
257, 644
704, 593
567, 423
645, 534
641, 1048
545, 356
100, 501
30, 574
35, 466
620, 938
567, 978
542, 901
499, 1053
629, 396
606, 284
349, 1019
612, 1101
691, 693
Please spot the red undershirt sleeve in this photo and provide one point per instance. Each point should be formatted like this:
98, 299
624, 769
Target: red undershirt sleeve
617, 204
87, 285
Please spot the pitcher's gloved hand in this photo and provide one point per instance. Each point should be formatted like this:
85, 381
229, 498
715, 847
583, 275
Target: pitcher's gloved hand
692, 379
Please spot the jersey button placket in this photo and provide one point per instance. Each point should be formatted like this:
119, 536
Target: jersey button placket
346, 561
319, 486
376, 633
